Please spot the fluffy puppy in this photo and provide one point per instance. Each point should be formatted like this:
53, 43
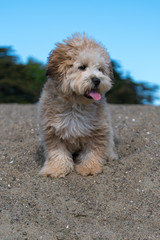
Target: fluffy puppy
74, 119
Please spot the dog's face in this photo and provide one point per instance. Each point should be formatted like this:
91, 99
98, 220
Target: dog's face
80, 68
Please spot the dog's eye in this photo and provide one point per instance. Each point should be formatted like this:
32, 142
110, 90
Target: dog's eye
101, 70
83, 67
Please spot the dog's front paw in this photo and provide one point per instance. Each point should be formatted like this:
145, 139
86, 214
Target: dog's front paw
56, 170
86, 169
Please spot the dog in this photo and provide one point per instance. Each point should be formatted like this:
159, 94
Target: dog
75, 124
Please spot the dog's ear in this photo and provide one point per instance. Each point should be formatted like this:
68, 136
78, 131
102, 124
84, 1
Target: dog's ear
59, 62
111, 75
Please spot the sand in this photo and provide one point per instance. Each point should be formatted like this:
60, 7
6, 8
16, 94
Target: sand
119, 204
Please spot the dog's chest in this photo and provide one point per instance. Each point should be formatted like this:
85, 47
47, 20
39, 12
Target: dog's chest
75, 123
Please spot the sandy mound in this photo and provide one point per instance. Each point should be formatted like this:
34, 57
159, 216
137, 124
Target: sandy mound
119, 204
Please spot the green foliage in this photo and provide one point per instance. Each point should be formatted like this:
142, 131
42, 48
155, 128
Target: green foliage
22, 83
126, 91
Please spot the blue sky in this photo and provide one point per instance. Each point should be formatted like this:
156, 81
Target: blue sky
129, 29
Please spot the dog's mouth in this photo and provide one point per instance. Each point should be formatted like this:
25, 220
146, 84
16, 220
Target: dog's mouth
93, 94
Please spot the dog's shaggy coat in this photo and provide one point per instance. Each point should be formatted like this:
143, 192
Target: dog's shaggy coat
74, 119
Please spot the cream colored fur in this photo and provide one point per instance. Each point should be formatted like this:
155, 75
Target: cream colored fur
76, 129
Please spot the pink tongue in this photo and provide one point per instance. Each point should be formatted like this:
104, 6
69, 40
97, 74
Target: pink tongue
95, 95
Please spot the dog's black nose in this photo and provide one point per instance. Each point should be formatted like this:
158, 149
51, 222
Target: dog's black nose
96, 81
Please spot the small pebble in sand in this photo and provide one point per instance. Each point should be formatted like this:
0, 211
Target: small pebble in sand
32, 130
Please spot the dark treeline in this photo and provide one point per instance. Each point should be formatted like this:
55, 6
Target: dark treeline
22, 83
19, 83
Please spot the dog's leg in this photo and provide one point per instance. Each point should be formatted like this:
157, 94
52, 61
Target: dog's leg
111, 155
92, 158
90, 162
59, 160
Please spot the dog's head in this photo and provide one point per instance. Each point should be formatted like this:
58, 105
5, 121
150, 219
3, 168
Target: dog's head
80, 68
